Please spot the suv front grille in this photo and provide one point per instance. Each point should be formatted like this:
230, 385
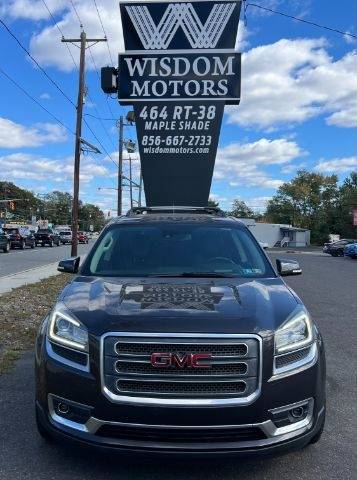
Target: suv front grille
171, 435
233, 371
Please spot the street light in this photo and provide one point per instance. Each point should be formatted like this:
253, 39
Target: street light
130, 146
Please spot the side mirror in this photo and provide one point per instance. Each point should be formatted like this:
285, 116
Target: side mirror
69, 265
288, 267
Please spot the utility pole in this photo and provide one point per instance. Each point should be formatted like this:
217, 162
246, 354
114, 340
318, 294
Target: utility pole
83, 40
140, 188
120, 166
131, 183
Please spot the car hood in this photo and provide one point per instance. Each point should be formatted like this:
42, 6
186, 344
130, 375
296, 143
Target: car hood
179, 305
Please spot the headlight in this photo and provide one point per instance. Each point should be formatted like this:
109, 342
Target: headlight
66, 330
295, 333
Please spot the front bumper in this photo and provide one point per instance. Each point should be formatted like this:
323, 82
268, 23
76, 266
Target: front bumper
86, 436
200, 429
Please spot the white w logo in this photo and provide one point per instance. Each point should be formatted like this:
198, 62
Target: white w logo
158, 37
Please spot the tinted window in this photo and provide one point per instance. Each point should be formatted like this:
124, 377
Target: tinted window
171, 249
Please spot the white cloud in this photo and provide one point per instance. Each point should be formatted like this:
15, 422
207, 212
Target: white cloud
337, 165
45, 96
25, 166
283, 83
258, 203
49, 51
292, 81
243, 164
15, 135
31, 9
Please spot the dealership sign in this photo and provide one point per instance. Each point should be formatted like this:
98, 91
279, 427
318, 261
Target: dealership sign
179, 69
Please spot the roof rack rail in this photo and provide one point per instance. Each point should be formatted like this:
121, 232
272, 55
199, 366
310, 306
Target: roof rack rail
176, 209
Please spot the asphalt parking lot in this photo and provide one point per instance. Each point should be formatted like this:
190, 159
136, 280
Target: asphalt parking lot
19, 260
328, 287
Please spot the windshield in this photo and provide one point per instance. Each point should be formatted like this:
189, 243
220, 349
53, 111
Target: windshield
177, 250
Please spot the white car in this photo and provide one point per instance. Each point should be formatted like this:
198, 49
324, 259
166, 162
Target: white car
264, 245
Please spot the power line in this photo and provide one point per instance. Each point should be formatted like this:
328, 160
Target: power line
99, 78
100, 143
105, 34
76, 12
60, 31
101, 118
74, 62
53, 82
283, 14
36, 62
35, 101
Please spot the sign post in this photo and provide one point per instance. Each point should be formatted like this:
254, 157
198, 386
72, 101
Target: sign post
179, 70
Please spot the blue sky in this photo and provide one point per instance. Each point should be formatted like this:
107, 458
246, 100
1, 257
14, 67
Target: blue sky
298, 108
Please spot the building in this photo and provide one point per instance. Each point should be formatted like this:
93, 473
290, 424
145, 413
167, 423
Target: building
278, 234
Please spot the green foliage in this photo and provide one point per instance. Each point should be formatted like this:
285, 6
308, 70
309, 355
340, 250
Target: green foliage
24, 208
315, 201
90, 214
241, 210
56, 207
212, 203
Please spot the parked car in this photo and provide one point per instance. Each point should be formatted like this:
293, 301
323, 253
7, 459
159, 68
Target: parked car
82, 237
264, 245
47, 236
178, 336
351, 250
65, 237
336, 249
20, 237
4, 241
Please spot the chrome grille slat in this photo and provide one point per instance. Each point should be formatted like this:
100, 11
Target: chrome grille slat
234, 372
172, 388
141, 378
239, 349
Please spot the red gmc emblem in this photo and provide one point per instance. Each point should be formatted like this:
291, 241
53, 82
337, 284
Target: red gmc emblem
188, 360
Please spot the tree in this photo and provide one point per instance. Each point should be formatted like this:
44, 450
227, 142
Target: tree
308, 201
90, 214
241, 210
57, 208
24, 208
347, 202
212, 203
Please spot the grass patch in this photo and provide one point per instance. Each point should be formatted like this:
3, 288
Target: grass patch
21, 312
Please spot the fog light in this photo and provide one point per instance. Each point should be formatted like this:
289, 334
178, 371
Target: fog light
63, 408
293, 413
298, 412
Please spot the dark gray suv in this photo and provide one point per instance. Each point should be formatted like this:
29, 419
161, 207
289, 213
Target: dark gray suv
178, 336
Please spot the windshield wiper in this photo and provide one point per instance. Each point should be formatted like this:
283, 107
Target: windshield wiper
194, 274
